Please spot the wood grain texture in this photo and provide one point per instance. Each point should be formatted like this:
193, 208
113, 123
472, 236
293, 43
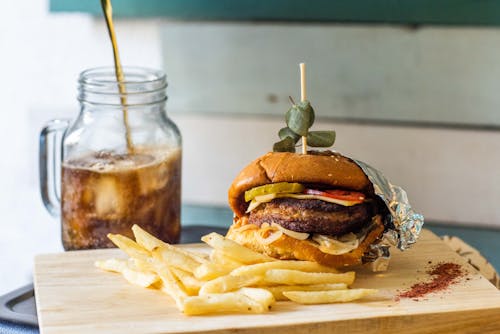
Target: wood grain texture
73, 296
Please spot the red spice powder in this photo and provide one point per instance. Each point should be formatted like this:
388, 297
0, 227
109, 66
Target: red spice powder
444, 274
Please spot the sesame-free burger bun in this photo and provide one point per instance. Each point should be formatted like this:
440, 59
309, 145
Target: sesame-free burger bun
323, 168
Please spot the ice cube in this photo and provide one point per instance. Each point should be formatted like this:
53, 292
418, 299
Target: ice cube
152, 177
108, 198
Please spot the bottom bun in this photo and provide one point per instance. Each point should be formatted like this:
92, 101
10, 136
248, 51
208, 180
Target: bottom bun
289, 248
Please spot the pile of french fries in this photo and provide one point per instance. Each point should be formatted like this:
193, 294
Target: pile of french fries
232, 278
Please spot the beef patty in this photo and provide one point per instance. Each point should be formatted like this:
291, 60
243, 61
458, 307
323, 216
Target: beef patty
313, 215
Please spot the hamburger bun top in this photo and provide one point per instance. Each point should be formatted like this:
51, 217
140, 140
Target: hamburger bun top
326, 168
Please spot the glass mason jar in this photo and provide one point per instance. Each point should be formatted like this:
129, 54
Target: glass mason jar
120, 161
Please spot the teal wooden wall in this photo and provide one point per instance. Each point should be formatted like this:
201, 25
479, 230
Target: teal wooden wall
412, 12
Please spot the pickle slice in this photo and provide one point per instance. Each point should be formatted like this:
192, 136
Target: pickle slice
273, 188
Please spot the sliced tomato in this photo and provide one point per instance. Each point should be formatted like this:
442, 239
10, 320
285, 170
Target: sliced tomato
343, 195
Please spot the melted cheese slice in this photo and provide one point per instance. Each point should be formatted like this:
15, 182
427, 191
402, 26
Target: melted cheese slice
269, 197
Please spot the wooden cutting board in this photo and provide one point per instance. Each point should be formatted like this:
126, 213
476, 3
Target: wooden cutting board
73, 296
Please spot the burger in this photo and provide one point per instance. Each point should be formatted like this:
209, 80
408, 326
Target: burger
318, 206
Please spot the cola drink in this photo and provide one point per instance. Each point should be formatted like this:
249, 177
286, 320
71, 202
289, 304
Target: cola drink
108, 192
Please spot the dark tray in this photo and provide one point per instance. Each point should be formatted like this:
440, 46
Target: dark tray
19, 307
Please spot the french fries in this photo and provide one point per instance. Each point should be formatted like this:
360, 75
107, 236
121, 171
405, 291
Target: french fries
135, 276
171, 285
235, 250
327, 297
290, 277
263, 296
262, 268
130, 247
219, 265
278, 290
212, 270
150, 243
240, 301
228, 283
175, 259
191, 284
231, 279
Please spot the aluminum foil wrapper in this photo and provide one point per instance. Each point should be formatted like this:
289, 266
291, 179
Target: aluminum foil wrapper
402, 224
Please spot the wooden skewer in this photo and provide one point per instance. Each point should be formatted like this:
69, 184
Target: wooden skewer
303, 97
303, 93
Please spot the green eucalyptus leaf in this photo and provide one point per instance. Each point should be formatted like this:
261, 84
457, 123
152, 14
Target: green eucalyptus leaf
300, 118
306, 106
320, 138
285, 145
287, 132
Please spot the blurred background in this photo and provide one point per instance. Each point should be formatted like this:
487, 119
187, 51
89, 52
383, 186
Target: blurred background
410, 89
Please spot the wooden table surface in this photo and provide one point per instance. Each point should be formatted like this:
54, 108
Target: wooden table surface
75, 297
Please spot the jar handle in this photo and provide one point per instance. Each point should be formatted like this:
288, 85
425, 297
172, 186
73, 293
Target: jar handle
49, 159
